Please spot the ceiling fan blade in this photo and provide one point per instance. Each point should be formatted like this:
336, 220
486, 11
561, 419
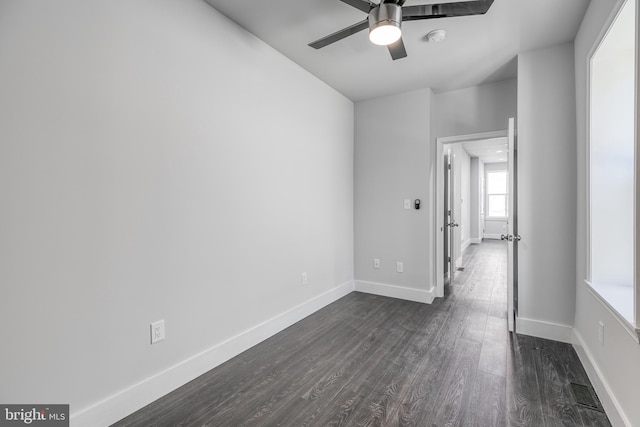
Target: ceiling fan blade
397, 49
339, 35
363, 5
445, 10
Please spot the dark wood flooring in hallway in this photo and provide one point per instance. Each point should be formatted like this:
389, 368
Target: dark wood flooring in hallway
367, 360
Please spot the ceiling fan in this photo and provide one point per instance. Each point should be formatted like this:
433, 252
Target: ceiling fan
385, 19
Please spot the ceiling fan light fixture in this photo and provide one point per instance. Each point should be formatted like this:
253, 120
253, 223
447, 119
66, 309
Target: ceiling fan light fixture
384, 24
384, 35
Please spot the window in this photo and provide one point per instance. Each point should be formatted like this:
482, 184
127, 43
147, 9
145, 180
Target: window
497, 194
611, 164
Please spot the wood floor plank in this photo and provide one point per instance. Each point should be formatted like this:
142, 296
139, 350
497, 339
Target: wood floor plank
320, 384
476, 321
554, 422
418, 400
570, 362
488, 402
493, 357
555, 389
523, 392
390, 350
497, 329
591, 418
458, 384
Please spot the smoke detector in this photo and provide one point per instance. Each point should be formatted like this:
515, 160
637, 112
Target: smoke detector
436, 36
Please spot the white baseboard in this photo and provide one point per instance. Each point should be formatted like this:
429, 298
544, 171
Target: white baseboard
129, 400
465, 245
393, 291
492, 236
476, 240
547, 330
603, 390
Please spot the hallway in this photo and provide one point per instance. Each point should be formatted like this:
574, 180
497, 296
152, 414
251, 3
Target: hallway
372, 360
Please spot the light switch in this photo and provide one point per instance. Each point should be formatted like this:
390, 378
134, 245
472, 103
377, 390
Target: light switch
407, 203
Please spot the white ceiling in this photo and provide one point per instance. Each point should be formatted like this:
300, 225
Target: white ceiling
478, 49
492, 150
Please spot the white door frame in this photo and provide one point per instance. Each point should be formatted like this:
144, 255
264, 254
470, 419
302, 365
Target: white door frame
512, 228
449, 217
440, 228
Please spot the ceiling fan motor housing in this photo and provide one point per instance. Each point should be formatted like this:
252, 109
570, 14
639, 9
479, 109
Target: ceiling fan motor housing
383, 15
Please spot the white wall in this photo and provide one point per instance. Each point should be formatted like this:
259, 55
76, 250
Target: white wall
393, 162
546, 195
615, 366
494, 228
463, 170
157, 162
475, 199
477, 109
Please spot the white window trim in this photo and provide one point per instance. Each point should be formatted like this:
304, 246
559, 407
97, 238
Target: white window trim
486, 197
631, 325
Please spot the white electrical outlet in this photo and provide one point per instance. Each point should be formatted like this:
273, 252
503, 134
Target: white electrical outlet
157, 331
601, 333
400, 267
407, 203
304, 278
376, 263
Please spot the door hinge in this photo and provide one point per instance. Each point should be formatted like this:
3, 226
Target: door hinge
449, 167
449, 259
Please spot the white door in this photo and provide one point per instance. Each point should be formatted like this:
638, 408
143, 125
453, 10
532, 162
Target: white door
512, 236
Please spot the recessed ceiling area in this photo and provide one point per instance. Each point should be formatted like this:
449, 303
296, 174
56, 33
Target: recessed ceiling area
493, 150
478, 49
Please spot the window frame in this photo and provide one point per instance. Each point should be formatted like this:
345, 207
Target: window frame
632, 325
488, 194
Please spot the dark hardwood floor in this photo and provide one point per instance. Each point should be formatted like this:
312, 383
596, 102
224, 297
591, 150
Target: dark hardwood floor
367, 360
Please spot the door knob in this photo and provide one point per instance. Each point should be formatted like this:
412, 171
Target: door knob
517, 237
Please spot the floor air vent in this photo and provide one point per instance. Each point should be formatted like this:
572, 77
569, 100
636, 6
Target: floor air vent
586, 397
460, 269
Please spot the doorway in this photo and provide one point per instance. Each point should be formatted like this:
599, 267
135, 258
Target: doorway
456, 227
